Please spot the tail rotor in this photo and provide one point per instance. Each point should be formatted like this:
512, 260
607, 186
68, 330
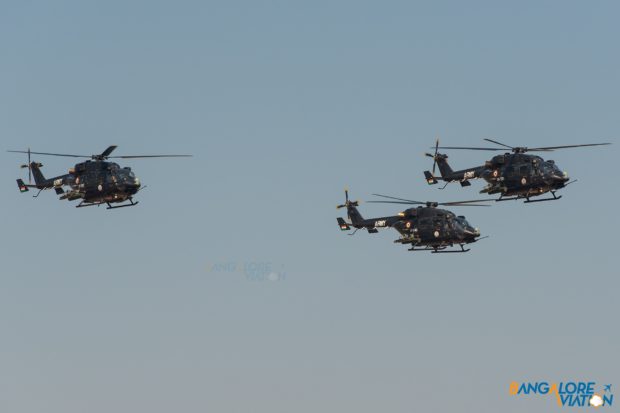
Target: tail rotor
430, 176
29, 167
434, 156
347, 203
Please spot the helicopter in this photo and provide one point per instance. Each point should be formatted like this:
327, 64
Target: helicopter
426, 227
94, 181
514, 176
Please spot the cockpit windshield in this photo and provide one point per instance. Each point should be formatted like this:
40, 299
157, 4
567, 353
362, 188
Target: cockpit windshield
461, 219
551, 168
127, 175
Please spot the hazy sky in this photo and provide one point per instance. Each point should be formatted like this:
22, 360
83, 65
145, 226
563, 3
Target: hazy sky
230, 288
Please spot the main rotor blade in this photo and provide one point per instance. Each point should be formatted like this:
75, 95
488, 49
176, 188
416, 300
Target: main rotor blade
104, 155
536, 150
499, 143
394, 202
471, 148
52, 154
108, 151
464, 203
398, 199
29, 167
468, 203
550, 148
472, 202
416, 203
435, 157
148, 156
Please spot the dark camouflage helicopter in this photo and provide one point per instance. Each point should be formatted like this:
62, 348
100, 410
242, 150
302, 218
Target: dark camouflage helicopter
425, 227
94, 181
515, 175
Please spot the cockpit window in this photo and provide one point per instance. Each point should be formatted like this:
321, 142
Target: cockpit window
550, 167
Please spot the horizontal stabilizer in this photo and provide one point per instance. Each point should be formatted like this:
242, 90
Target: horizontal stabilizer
22, 186
343, 225
430, 179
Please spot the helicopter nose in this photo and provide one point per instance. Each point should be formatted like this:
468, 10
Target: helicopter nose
561, 177
472, 232
133, 185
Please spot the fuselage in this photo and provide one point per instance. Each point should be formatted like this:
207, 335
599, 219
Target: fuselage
509, 174
522, 174
95, 182
427, 226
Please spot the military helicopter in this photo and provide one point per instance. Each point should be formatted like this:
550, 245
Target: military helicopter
425, 227
94, 182
514, 176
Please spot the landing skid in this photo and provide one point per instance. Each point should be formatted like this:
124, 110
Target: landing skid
555, 198
122, 206
84, 204
440, 250
527, 198
451, 251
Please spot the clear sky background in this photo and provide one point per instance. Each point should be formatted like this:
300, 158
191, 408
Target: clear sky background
172, 305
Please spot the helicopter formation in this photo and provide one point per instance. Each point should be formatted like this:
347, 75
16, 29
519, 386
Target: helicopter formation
513, 175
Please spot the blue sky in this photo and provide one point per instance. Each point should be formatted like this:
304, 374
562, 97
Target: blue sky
282, 104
